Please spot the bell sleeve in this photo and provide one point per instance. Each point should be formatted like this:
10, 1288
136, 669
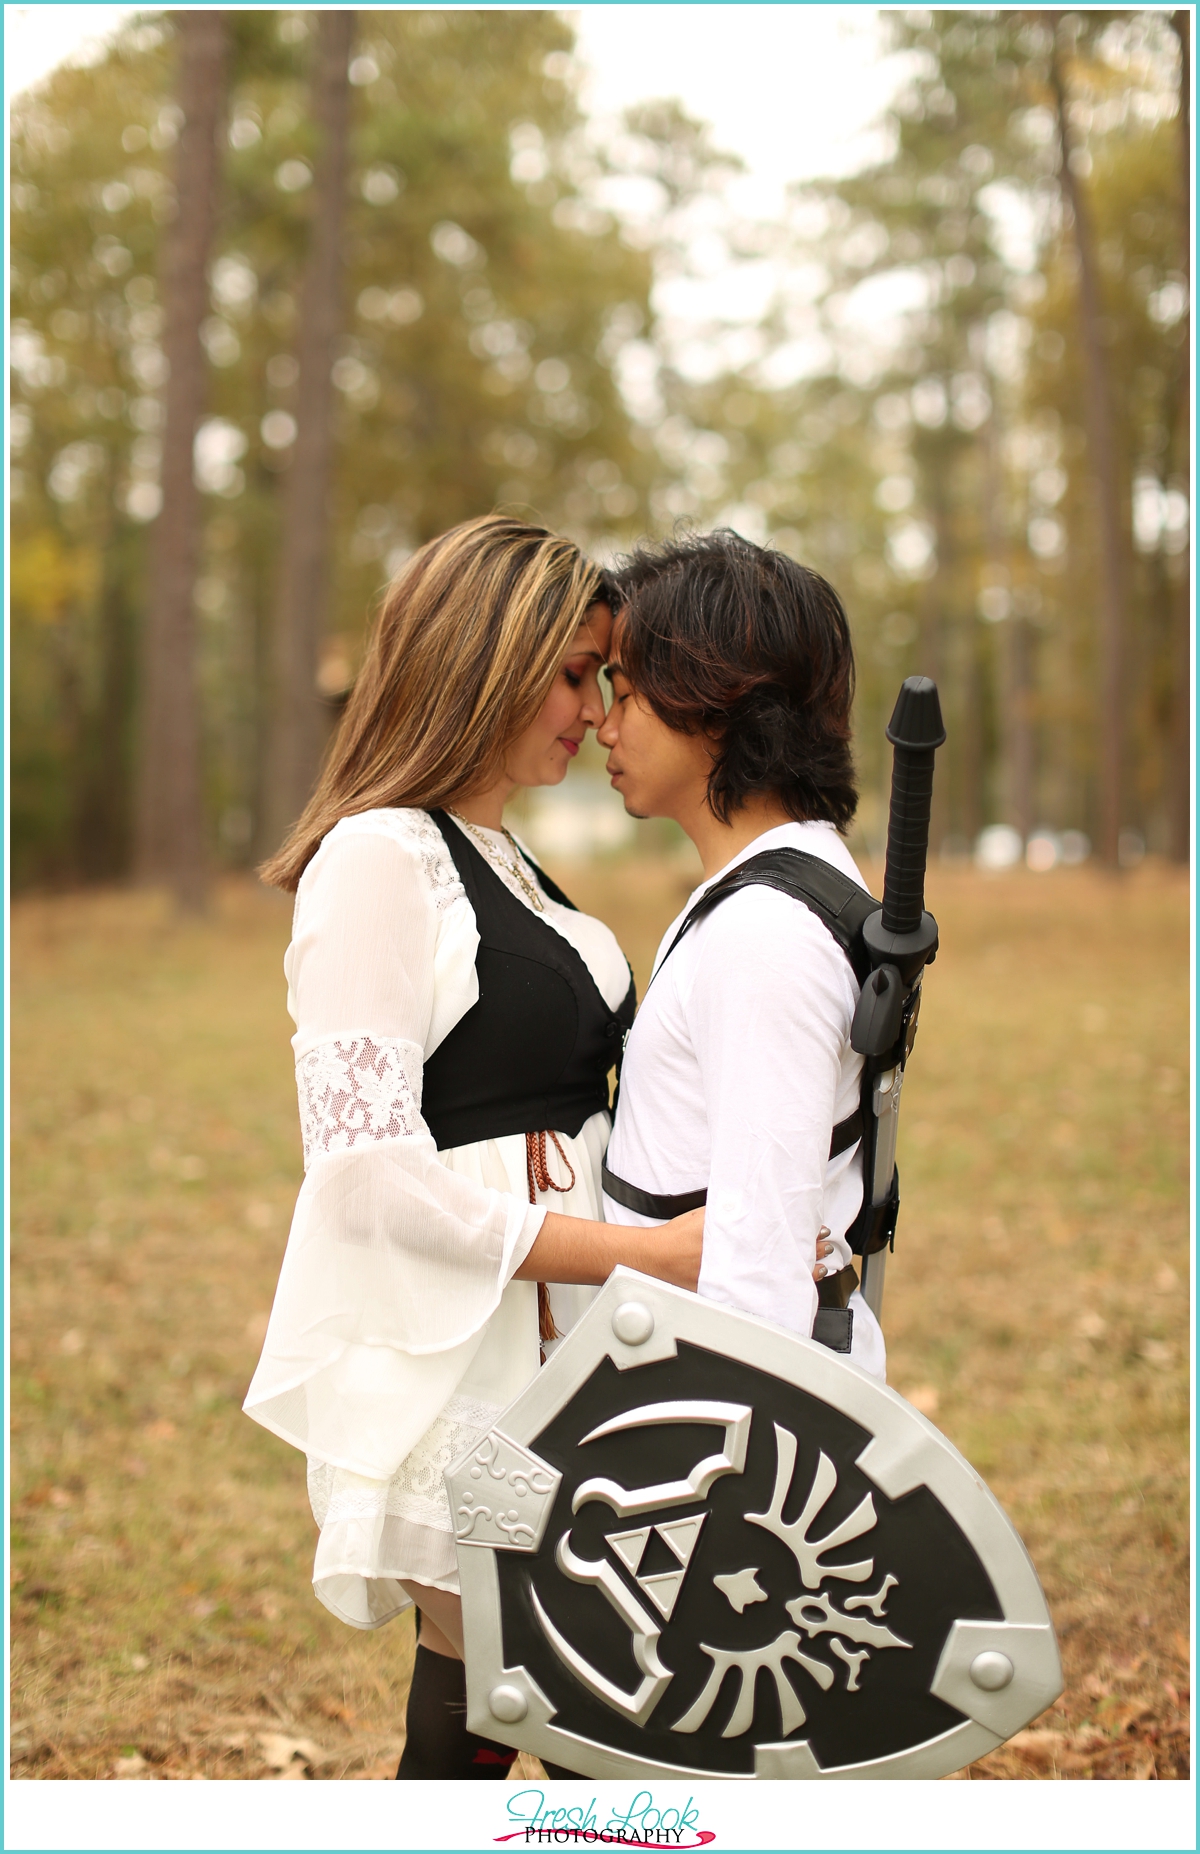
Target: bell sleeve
394, 1264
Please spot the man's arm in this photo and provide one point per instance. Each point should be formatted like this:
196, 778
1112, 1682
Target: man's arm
768, 998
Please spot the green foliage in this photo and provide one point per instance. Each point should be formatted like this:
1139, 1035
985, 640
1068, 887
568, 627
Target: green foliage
939, 476
483, 315
909, 417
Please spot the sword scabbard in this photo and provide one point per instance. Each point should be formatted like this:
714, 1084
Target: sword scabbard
902, 939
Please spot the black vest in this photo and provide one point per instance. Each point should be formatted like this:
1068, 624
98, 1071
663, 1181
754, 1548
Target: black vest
533, 1055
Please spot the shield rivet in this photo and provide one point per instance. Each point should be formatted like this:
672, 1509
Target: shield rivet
633, 1323
508, 1704
991, 1670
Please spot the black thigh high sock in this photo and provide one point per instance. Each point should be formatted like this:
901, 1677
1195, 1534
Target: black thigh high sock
438, 1742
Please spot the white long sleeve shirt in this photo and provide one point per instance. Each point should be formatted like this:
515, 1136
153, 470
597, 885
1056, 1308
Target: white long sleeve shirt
737, 1068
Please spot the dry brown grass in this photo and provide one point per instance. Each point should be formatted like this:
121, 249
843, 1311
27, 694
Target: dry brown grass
163, 1621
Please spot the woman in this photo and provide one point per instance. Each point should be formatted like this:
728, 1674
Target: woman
456, 1021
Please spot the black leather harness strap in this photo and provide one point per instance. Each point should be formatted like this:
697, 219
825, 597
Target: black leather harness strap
842, 907
659, 1204
838, 903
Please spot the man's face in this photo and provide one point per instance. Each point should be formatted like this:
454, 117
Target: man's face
659, 772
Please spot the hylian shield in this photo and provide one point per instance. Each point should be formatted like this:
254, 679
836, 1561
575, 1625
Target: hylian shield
698, 1546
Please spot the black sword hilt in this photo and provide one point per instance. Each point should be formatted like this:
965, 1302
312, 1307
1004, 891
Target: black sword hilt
902, 938
903, 934
915, 731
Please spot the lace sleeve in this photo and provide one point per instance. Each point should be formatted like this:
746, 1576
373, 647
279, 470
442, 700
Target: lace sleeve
388, 1248
357, 1089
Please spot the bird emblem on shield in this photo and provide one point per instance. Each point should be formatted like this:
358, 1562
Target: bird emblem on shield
699, 1546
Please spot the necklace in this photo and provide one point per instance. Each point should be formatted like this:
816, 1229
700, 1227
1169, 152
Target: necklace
501, 862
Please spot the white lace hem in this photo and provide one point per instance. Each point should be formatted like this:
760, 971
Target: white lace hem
416, 1490
376, 1533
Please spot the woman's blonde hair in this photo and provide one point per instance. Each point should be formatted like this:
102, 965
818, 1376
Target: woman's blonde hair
469, 640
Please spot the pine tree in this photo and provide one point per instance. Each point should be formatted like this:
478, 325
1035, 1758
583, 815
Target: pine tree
171, 829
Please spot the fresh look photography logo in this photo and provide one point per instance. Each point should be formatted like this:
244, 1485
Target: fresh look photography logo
642, 1823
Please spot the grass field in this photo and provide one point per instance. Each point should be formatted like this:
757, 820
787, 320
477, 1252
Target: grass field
163, 1620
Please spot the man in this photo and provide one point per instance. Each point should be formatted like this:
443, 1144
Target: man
733, 676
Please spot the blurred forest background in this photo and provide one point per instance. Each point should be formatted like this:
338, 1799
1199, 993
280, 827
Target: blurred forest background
294, 291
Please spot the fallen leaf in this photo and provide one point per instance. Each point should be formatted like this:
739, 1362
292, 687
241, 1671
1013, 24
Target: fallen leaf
132, 1766
278, 1750
924, 1398
1038, 1747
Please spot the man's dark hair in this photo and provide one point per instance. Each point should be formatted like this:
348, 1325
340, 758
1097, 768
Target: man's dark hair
740, 642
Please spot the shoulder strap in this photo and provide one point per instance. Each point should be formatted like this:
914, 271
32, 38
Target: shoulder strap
837, 901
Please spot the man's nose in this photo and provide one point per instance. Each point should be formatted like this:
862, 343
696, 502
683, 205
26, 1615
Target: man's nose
606, 733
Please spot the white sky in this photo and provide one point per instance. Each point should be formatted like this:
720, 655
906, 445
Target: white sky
792, 89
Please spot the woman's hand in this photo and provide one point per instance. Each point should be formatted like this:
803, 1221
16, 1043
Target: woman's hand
678, 1251
823, 1248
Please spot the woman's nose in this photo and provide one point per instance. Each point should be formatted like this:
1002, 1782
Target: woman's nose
593, 710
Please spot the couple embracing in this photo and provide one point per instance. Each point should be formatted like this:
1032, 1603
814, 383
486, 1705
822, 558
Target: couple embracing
457, 1020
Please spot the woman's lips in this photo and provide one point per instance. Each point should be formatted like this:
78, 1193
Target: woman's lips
572, 746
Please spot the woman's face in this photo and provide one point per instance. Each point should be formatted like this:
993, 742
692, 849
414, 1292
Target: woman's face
541, 755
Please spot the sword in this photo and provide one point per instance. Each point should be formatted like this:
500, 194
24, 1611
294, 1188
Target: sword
902, 939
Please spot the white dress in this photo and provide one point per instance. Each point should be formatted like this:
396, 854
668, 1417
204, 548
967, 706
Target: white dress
737, 1067
398, 1333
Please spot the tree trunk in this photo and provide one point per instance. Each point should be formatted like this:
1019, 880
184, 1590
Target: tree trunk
1106, 477
931, 625
298, 720
170, 800
972, 768
102, 804
1179, 749
1015, 721
1019, 729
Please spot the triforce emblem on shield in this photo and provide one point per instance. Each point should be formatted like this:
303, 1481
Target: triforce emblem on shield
698, 1546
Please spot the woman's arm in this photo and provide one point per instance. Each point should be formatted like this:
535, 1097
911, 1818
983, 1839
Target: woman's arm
574, 1250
